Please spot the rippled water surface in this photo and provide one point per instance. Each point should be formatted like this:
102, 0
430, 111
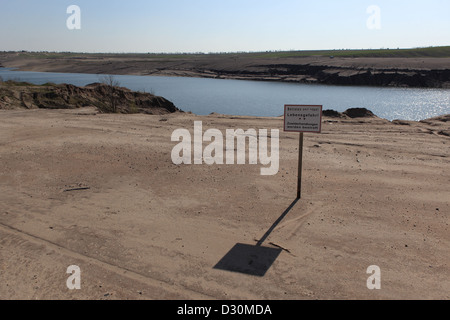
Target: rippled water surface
258, 98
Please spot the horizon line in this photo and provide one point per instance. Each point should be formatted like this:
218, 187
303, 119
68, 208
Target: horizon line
225, 52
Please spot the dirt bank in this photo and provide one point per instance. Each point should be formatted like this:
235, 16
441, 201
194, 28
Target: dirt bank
103, 97
429, 72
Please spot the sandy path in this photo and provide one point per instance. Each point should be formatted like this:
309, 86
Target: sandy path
374, 193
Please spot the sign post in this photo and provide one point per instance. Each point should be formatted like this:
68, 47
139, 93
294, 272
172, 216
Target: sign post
302, 118
300, 164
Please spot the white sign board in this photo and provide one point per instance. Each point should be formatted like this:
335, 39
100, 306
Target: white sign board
302, 118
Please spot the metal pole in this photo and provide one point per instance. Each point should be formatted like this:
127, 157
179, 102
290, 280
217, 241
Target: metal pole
300, 160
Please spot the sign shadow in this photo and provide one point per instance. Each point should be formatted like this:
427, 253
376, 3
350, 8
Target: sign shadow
253, 260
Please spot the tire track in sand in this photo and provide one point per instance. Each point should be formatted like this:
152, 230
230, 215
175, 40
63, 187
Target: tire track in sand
31, 245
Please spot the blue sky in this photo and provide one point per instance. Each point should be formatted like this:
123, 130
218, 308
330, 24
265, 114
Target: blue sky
221, 25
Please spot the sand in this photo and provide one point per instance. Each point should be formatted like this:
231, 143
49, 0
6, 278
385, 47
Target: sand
374, 193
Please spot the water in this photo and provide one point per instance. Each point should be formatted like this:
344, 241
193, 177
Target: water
258, 98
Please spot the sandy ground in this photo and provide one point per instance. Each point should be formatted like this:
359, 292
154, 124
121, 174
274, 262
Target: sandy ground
374, 193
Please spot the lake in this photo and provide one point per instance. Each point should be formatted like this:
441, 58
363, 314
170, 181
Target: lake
260, 98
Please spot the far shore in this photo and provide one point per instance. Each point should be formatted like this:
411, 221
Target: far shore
393, 71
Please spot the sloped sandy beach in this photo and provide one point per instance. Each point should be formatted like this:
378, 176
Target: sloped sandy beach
101, 192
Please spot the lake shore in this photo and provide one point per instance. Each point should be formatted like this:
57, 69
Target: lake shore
427, 72
100, 191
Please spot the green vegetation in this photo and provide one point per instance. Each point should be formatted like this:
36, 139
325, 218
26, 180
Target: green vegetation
132, 108
437, 52
3, 93
17, 83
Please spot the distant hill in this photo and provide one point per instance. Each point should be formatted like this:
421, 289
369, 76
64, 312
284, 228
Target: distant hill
419, 67
430, 52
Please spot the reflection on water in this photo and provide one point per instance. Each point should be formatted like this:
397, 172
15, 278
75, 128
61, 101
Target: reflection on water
258, 98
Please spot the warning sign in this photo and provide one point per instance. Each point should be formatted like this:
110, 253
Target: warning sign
302, 118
